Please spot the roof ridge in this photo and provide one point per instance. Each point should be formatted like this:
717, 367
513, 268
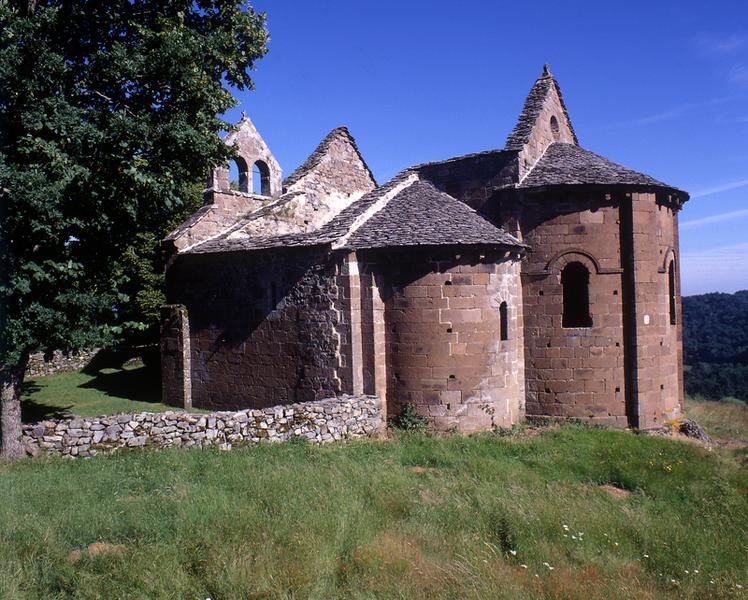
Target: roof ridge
377, 206
531, 108
316, 156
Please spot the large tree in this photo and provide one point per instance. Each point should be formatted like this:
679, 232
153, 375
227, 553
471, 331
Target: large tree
109, 117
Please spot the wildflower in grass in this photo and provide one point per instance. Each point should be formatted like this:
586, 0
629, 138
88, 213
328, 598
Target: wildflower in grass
646, 556
523, 566
513, 552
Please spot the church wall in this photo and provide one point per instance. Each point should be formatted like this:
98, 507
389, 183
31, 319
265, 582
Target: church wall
442, 323
264, 328
658, 341
580, 371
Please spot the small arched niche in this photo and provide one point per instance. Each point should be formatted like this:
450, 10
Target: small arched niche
239, 175
555, 130
260, 179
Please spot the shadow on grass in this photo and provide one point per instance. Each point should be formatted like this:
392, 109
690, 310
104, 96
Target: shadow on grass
142, 384
31, 411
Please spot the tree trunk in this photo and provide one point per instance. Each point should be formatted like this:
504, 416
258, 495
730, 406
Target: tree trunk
11, 378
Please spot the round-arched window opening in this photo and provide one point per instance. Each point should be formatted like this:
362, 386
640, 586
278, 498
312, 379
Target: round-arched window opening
260, 179
238, 175
555, 129
575, 280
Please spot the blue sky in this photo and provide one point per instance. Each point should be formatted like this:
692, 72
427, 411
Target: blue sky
659, 86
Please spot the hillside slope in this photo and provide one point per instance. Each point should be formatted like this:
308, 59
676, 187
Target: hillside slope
715, 345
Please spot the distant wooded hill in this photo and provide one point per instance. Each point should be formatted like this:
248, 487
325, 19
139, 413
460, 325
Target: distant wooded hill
715, 345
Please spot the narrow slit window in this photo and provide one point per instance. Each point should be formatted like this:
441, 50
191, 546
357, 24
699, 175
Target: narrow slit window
671, 291
503, 322
575, 280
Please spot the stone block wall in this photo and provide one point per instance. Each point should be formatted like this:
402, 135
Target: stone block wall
574, 372
319, 422
263, 327
444, 353
659, 360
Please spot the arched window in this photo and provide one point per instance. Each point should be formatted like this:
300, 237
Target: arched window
554, 128
260, 179
503, 321
239, 175
671, 291
575, 279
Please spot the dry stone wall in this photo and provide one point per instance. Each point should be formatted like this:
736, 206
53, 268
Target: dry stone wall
319, 422
41, 365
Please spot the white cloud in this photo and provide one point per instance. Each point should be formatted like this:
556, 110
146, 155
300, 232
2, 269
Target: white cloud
730, 185
728, 216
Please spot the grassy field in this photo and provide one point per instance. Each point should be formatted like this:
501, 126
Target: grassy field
724, 419
489, 516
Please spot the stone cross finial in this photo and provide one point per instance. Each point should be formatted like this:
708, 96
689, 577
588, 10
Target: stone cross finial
546, 70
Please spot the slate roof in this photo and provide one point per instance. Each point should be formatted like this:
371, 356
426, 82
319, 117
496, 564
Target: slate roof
327, 234
189, 223
421, 215
315, 157
520, 135
567, 164
418, 215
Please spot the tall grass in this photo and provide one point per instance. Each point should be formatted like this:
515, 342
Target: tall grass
413, 517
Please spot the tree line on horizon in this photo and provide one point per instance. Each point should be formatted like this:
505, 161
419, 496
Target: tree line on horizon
715, 345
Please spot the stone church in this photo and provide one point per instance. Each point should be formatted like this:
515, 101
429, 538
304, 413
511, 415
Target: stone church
538, 280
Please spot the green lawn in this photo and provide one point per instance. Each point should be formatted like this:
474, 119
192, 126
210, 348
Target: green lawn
487, 516
100, 390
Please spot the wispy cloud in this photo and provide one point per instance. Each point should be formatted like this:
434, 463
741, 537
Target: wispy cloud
730, 185
724, 44
728, 216
677, 111
721, 269
739, 74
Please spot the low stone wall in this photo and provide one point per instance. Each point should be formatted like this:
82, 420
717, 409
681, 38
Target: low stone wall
58, 363
319, 422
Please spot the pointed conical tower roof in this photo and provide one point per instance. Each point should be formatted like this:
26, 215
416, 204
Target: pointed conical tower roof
543, 107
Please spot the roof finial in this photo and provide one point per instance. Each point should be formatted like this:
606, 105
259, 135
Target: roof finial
244, 115
547, 70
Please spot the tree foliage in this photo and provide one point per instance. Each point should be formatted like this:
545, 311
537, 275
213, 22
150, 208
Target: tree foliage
715, 345
109, 118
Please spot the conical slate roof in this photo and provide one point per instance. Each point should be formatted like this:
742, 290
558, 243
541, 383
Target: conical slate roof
534, 103
567, 164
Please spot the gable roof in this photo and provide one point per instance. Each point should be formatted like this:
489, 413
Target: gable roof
567, 164
421, 215
315, 157
520, 135
405, 211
